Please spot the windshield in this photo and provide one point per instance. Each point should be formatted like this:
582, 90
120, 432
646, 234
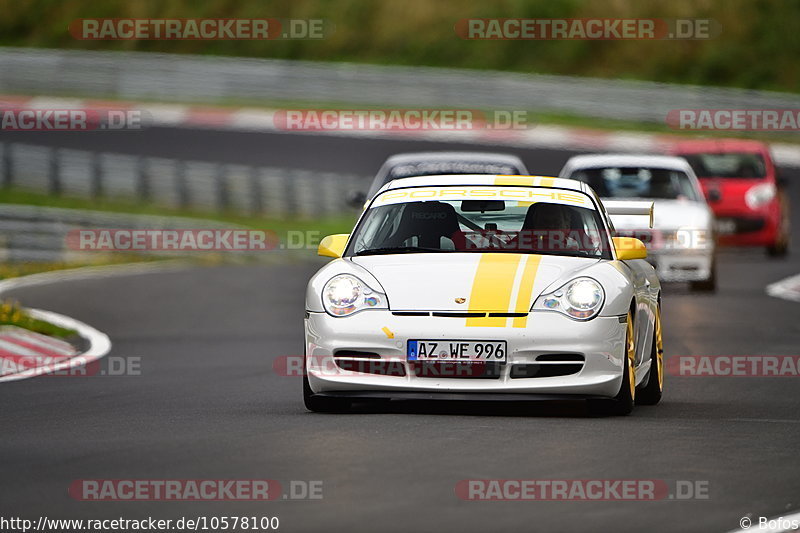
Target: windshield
639, 182
487, 219
727, 165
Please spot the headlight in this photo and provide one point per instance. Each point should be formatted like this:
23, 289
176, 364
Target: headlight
345, 294
688, 238
759, 195
581, 299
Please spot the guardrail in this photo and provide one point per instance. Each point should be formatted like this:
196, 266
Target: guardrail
37, 234
30, 233
187, 79
198, 185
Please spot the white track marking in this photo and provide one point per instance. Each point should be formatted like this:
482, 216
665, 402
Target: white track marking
74, 274
788, 288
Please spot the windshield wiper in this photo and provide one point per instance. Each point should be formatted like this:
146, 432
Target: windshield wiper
399, 250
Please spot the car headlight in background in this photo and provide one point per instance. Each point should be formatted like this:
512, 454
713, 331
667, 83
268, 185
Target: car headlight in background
345, 294
688, 238
759, 195
581, 299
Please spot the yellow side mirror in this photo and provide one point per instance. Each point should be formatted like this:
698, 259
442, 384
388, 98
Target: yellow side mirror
629, 248
333, 245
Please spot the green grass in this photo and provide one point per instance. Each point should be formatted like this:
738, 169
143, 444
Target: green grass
11, 314
313, 231
340, 224
757, 48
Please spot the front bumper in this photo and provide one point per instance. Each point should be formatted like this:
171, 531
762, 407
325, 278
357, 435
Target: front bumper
749, 227
592, 352
682, 266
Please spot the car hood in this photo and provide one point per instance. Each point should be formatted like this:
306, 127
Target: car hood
669, 215
487, 282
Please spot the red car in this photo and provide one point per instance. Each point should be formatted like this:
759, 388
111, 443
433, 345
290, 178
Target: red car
741, 185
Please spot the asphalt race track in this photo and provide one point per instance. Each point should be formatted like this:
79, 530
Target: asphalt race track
208, 403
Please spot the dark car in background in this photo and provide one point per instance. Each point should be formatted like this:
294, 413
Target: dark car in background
413, 164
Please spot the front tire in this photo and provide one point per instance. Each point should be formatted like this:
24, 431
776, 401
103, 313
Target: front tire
651, 393
322, 404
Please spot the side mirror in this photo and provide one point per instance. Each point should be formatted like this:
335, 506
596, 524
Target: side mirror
714, 195
629, 248
333, 245
357, 199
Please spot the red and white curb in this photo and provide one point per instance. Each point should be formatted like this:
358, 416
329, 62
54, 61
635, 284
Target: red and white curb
787, 288
260, 119
22, 350
24, 354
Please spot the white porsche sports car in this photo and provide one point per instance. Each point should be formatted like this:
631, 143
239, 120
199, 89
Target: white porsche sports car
484, 287
681, 243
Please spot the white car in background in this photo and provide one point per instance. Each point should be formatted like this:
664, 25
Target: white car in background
681, 244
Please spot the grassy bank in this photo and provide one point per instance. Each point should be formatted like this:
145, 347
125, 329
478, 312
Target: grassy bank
11, 314
339, 224
757, 48
294, 231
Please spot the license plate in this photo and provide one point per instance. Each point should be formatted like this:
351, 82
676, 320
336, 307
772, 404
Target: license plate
459, 351
726, 226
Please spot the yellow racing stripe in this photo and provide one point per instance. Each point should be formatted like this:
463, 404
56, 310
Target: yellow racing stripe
525, 289
514, 180
546, 182
492, 288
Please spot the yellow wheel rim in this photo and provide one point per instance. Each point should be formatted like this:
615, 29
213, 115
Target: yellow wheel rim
630, 348
659, 350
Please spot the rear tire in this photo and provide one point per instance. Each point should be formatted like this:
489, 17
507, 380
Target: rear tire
780, 248
322, 404
650, 394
